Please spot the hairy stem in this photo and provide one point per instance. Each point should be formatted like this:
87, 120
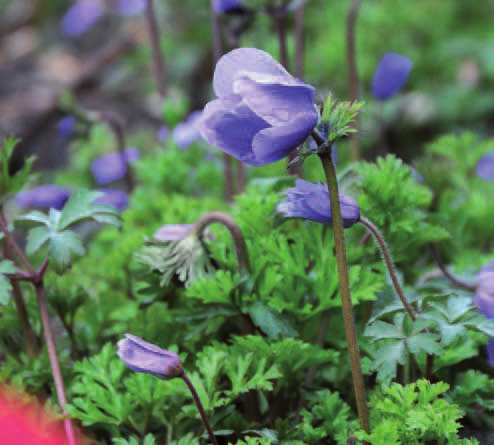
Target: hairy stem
353, 80
388, 261
200, 408
52, 355
158, 63
458, 282
233, 228
344, 284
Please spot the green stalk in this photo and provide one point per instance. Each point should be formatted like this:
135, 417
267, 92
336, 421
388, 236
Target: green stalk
346, 298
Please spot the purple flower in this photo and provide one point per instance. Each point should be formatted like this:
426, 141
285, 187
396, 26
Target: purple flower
130, 7
187, 131
484, 293
227, 6
66, 126
141, 356
390, 75
81, 16
485, 167
112, 167
163, 133
311, 201
114, 198
43, 197
173, 232
262, 113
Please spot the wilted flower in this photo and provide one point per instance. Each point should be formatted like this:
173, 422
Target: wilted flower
262, 113
113, 166
390, 75
187, 131
43, 197
81, 16
66, 126
311, 201
485, 167
228, 6
173, 232
141, 356
114, 198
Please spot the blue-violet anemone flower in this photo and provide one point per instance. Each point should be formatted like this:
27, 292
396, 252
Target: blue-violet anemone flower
390, 75
173, 232
262, 112
311, 201
227, 6
485, 167
113, 166
43, 197
66, 126
141, 356
117, 199
81, 16
187, 132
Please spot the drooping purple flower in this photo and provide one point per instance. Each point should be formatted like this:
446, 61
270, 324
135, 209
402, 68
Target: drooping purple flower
163, 133
390, 75
43, 197
114, 198
141, 356
485, 167
311, 201
173, 232
113, 166
130, 7
187, 132
262, 113
228, 6
66, 127
81, 16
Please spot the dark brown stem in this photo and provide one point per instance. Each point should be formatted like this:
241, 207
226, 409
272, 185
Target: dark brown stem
200, 408
158, 63
279, 18
116, 125
55, 365
353, 80
388, 261
344, 285
233, 228
299, 41
458, 282
217, 53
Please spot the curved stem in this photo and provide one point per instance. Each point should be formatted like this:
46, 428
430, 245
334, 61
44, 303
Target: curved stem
346, 298
157, 57
54, 364
200, 408
233, 228
442, 267
388, 261
353, 80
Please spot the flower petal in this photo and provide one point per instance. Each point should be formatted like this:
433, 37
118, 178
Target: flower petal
243, 59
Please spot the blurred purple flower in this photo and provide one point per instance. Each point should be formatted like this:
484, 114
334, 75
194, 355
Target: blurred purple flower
485, 167
262, 113
141, 356
390, 75
81, 16
490, 352
227, 6
43, 197
187, 131
173, 232
66, 126
311, 201
163, 133
484, 293
130, 7
113, 166
114, 198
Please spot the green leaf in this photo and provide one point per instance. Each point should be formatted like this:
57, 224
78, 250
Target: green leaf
63, 247
6, 267
273, 324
